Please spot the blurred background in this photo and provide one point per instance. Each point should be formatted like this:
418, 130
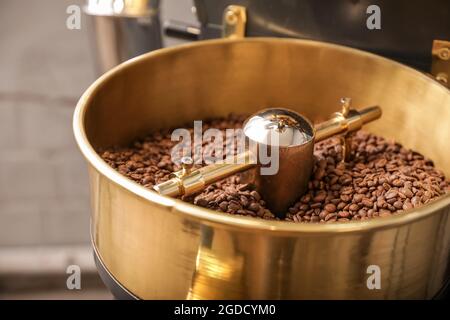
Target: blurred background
44, 196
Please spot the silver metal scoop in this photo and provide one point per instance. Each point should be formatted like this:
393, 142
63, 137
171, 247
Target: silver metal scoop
281, 177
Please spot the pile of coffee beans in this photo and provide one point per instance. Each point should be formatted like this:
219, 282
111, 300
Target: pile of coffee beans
383, 178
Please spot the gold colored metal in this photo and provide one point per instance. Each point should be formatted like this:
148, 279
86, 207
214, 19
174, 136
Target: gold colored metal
295, 162
346, 139
346, 122
346, 104
440, 66
186, 182
187, 164
234, 21
290, 138
159, 247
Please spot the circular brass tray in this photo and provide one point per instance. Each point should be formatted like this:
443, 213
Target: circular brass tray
162, 248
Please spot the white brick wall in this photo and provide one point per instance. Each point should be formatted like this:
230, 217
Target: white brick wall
8, 122
45, 125
44, 68
43, 179
44, 197
19, 223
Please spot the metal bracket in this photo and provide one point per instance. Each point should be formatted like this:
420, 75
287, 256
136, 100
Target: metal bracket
234, 21
440, 65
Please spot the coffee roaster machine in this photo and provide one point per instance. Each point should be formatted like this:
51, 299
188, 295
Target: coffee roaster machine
302, 54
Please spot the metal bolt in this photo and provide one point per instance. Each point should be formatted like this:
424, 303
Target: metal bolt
231, 17
442, 77
444, 53
346, 104
186, 164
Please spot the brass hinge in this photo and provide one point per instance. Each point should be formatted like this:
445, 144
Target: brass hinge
440, 65
234, 20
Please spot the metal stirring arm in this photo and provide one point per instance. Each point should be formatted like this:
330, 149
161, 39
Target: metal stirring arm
188, 181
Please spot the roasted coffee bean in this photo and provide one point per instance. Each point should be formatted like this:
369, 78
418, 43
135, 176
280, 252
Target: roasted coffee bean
381, 163
397, 183
330, 207
306, 198
398, 204
384, 213
344, 214
347, 190
315, 205
391, 194
416, 201
255, 195
407, 205
320, 197
382, 179
367, 203
345, 179
323, 214
244, 201
234, 206
223, 206
357, 198
202, 202
254, 206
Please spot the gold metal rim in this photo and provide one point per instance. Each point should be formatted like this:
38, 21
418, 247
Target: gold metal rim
213, 217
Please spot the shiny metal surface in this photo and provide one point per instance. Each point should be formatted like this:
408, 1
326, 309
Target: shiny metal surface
289, 138
234, 22
259, 129
408, 28
160, 248
440, 65
279, 128
122, 33
187, 183
120, 8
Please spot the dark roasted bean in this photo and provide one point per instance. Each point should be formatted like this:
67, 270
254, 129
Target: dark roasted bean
330, 207
320, 197
223, 206
391, 194
398, 204
234, 206
367, 203
384, 213
344, 214
254, 206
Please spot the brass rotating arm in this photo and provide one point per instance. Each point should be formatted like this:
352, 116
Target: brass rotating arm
188, 181
346, 122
